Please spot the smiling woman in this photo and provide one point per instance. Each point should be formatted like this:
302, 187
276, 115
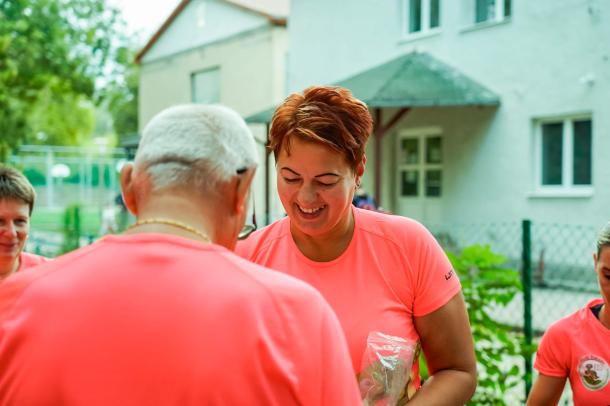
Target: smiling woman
576, 347
383, 275
16, 203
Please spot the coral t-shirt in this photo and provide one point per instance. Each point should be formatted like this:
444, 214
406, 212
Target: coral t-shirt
577, 347
27, 260
392, 271
154, 319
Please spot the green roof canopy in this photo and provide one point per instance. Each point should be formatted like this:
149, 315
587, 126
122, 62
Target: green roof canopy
412, 80
262, 116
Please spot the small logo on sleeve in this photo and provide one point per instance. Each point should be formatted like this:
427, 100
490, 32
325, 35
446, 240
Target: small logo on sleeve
449, 275
594, 372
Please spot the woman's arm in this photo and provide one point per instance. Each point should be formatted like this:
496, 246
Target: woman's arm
546, 391
447, 342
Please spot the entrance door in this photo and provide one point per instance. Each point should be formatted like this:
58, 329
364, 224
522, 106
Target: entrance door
420, 174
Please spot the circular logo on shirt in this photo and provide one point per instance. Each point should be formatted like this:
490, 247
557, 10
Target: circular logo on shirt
594, 372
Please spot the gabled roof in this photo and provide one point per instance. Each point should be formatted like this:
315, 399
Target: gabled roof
276, 12
412, 80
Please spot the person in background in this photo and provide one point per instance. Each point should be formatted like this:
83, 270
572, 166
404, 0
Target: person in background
380, 273
166, 314
577, 347
17, 198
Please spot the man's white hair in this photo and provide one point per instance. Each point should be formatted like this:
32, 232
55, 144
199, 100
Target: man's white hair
195, 144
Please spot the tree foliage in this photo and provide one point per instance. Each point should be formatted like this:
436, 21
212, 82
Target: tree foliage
121, 96
52, 56
487, 283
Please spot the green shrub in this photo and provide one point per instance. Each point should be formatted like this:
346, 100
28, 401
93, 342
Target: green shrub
71, 228
487, 283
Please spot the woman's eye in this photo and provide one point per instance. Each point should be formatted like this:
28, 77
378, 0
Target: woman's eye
290, 180
325, 184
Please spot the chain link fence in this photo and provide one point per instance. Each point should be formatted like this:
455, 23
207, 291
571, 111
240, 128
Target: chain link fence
556, 266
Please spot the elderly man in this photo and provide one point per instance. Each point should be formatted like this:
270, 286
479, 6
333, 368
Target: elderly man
165, 314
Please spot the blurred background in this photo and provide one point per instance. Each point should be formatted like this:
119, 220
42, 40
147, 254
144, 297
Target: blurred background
491, 126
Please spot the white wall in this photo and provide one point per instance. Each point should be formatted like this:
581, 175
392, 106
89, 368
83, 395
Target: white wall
535, 62
203, 22
252, 66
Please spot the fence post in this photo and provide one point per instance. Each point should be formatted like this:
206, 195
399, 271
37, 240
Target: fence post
526, 279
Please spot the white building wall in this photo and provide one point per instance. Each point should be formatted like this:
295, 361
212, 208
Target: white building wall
203, 22
252, 66
538, 62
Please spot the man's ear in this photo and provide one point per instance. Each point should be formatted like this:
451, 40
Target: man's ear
242, 189
127, 188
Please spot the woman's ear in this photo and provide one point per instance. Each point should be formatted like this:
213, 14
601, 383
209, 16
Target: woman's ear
360, 170
361, 166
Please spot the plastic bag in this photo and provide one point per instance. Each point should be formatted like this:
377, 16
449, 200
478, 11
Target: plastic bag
386, 368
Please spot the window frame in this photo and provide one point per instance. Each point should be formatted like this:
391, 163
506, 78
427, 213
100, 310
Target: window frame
422, 134
425, 29
567, 188
194, 75
469, 16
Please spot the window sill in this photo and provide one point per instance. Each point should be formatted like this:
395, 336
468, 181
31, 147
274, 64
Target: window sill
485, 24
419, 35
561, 193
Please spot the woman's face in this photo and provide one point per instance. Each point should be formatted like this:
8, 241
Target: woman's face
14, 228
602, 268
316, 185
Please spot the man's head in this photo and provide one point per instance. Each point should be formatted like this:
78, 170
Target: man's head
204, 154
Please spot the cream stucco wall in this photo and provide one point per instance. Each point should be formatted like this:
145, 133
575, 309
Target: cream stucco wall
252, 66
552, 57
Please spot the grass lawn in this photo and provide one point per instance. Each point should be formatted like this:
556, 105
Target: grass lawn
52, 220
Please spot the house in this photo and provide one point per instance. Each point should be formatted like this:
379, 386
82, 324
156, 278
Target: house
220, 51
486, 110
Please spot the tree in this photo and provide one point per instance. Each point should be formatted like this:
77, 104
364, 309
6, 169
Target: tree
52, 53
121, 97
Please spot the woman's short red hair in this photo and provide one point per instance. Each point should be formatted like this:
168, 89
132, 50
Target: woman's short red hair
328, 115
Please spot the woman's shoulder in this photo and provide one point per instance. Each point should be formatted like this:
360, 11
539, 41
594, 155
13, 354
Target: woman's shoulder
262, 238
392, 227
574, 323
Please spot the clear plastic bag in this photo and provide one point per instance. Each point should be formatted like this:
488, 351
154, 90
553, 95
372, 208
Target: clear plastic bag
386, 369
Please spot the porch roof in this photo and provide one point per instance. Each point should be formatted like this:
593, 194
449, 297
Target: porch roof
413, 80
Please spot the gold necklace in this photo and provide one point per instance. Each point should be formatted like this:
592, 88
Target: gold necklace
173, 223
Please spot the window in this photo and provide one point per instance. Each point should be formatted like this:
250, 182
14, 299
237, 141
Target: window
420, 164
421, 15
565, 153
492, 10
205, 86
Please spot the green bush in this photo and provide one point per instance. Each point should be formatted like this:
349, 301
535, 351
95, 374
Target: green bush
487, 283
71, 228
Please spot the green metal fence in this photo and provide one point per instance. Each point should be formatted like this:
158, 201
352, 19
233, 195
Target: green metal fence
556, 267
